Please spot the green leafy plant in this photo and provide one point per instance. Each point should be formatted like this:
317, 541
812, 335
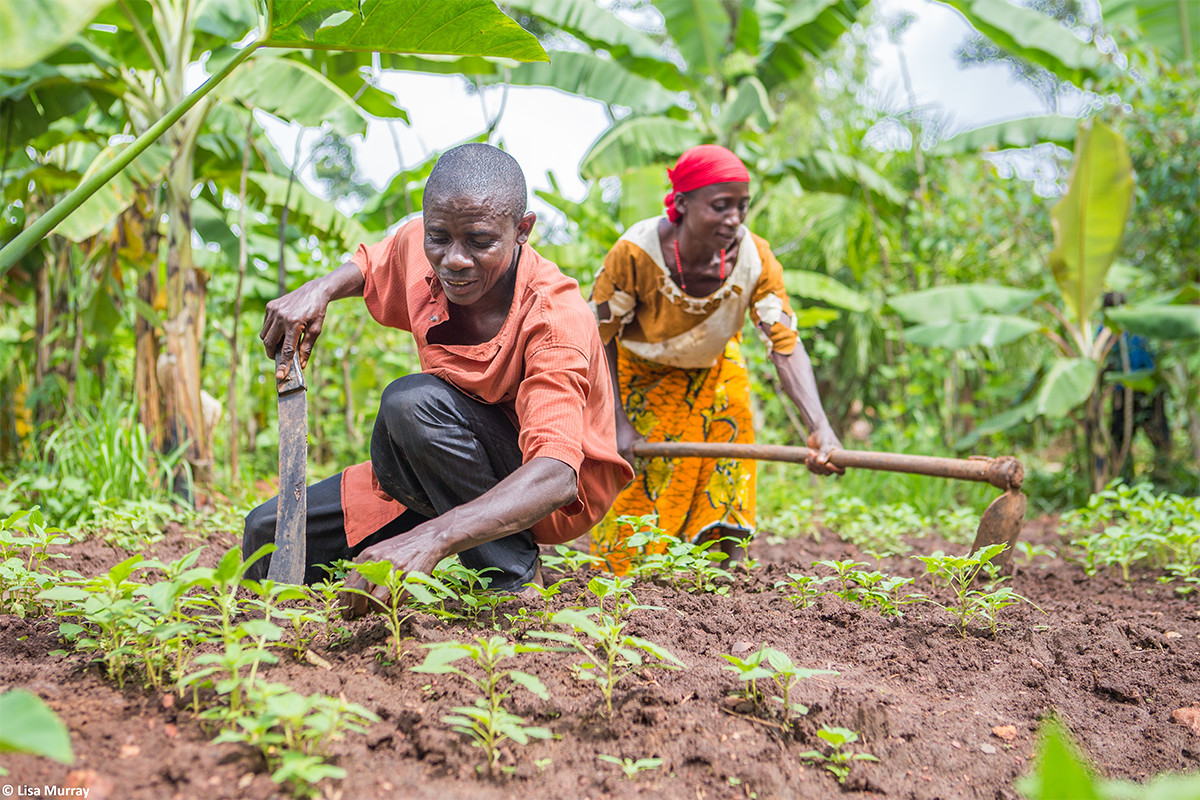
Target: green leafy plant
567, 560
487, 722
777, 665
294, 732
31, 727
24, 550
960, 574
1063, 773
1125, 525
802, 590
631, 767
399, 585
612, 655
837, 760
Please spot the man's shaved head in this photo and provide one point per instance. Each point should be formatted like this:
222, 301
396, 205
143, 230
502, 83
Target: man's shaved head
479, 172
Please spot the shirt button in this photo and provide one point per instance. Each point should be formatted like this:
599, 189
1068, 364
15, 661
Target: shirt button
433, 318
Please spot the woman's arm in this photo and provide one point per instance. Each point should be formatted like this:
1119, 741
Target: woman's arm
800, 385
627, 435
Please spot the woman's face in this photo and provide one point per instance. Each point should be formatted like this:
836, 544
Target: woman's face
712, 214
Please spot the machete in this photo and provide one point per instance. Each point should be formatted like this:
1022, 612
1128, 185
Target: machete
288, 561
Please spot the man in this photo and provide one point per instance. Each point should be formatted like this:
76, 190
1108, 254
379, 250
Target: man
505, 439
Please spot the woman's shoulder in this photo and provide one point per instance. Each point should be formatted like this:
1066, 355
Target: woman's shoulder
643, 235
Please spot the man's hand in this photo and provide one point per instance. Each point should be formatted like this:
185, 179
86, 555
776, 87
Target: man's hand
295, 320
821, 443
627, 437
409, 552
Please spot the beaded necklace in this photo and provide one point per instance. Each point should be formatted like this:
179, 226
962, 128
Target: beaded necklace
679, 266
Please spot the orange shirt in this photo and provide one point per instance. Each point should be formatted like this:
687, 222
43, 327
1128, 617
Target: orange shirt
546, 367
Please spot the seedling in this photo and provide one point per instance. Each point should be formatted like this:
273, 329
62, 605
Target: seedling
748, 671
837, 760
844, 571
784, 673
802, 590
960, 574
568, 560
400, 586
612, 655
547, 593
631, 767
487, 722
24, 543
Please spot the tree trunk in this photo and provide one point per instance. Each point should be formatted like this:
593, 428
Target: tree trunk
243, 239
180, 374
1099, 442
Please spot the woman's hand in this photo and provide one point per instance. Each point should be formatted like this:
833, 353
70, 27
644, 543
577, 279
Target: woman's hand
821, 443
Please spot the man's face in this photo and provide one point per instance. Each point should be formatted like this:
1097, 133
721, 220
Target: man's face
470, 243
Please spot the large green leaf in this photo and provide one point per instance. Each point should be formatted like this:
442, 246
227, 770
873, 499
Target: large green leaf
952, 303
749, 100
1068, 382
1089, 222
322, 216
599, 78
818, 286
1024, 132
295, 92
1000, 422
29, 726
461, 27
1157, 322
788, 30
117, 195
700, 29
35, 29
827, 171
1033, 36
585, 20
987, 330
1160, 22
638, 142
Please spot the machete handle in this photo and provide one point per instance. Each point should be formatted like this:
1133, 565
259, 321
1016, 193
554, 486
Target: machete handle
1004, 472
294, 382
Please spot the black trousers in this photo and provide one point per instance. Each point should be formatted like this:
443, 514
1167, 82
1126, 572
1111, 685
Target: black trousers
433, 449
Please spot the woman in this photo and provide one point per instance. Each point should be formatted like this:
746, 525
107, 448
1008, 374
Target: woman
671, 301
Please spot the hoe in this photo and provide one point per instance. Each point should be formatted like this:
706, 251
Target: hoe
1000, 524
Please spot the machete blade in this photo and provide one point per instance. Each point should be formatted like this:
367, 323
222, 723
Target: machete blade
288, 561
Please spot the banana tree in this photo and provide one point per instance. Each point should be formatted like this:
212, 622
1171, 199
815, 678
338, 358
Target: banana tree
143, 51
1089, 223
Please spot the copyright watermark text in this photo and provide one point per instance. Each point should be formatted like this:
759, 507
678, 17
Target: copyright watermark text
47, 790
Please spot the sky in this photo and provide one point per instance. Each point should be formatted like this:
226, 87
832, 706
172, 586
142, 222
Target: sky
548, 130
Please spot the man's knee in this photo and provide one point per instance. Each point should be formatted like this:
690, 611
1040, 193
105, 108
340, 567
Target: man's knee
415, 405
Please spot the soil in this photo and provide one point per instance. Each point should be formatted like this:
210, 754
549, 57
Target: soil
1113, 661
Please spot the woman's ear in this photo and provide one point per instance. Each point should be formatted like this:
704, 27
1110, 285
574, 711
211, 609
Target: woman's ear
680, 204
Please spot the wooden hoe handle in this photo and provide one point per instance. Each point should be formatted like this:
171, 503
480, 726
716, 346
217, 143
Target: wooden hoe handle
1004, 472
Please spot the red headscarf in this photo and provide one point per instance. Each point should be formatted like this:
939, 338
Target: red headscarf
701, 166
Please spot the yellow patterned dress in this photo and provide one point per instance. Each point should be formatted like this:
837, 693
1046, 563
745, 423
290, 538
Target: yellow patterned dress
683, 379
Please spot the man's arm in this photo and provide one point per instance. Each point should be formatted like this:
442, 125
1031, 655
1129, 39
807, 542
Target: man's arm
798, 383
528, 495
295, 319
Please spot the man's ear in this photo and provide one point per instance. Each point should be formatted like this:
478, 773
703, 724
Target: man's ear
525, 227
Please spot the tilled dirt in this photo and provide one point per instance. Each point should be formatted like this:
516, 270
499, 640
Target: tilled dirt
948, 716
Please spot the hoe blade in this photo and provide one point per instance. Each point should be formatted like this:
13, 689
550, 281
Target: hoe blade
1001, 524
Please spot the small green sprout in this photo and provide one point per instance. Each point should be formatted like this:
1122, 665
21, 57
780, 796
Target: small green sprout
837, 760
631, 767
